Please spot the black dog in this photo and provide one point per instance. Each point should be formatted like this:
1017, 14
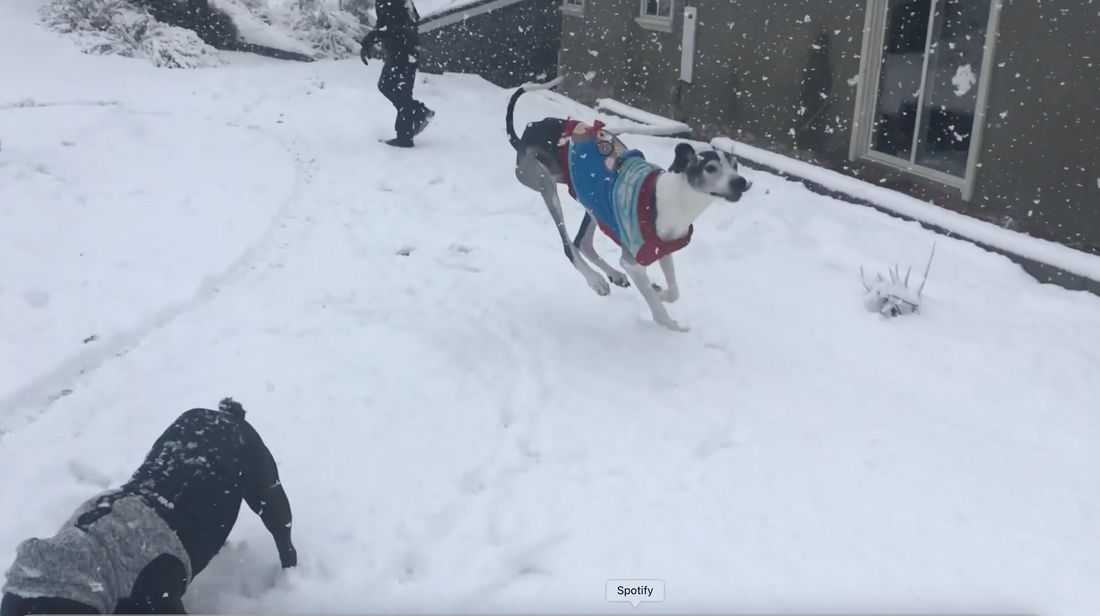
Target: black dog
134, 550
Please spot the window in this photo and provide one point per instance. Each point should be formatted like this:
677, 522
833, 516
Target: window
656, 15
657, 9
922, 92
572, 7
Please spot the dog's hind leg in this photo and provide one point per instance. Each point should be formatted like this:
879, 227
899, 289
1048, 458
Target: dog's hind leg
534, 175
584, 243
652, 297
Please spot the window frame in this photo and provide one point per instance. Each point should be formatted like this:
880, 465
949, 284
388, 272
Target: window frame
867, 99
573, 7
655, 22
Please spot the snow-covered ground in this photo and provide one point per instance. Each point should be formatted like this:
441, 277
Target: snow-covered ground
461, 424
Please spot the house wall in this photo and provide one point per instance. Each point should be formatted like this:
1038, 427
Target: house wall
1040, 170
595, 55
782, 75
508, 46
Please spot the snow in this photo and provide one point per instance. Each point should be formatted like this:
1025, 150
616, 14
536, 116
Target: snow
649, 123
1044, 251
964, 79
85, 235
254, 29
427, 8
461, 424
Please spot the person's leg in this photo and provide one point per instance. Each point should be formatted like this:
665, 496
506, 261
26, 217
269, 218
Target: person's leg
408, 109
394, 85
422, 116
387, 84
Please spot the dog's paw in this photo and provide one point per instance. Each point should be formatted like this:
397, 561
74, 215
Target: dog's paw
619, 279
673, 325
599, 285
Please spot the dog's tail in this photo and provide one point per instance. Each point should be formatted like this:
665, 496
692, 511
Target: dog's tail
510, 117
231, 406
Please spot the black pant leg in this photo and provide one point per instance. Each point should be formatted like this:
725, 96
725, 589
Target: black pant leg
396, 84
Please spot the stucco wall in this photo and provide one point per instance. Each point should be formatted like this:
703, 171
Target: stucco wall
1040, 168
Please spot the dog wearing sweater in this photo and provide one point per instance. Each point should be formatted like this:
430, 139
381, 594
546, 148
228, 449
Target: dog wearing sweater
135, 549
646, 210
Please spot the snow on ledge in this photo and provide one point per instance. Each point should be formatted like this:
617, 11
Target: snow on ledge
1036, 249
436, 14
427, 8
648, 123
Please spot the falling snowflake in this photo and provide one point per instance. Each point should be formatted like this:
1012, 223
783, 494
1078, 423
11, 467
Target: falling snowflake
964, 79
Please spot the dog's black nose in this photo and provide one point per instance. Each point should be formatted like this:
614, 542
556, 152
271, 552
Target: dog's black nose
740, 184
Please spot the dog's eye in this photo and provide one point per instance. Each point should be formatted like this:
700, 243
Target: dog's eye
711, 168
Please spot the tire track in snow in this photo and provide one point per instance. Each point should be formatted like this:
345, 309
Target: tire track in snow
29, 402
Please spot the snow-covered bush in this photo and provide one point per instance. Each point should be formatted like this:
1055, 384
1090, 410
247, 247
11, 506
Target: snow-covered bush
331, 31
893, 297
120, 27
117, 27
363, 10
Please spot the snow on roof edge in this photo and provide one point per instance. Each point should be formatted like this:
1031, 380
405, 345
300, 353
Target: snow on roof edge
1044, 251
441, 13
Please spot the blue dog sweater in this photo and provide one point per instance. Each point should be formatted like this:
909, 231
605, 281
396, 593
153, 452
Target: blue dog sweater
619, 195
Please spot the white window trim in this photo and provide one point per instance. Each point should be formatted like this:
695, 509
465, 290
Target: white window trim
572, 9
867, 91
652, 22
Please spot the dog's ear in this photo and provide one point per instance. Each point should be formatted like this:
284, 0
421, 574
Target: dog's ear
685, 156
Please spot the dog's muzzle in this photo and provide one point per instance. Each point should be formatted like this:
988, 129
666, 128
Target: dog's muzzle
737, 187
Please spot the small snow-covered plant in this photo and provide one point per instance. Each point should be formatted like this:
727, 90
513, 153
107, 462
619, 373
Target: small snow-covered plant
331, 31
893, 297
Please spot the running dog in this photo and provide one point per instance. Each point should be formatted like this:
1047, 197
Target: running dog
646, 210
135, 549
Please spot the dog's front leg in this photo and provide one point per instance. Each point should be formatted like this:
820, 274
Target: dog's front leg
641, 280
672, 293
594, 280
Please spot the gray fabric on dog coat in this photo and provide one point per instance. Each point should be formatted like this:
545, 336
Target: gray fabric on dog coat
99, 566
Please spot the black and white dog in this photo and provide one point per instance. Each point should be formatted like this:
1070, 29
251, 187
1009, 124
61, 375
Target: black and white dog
135, 549
647, 211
